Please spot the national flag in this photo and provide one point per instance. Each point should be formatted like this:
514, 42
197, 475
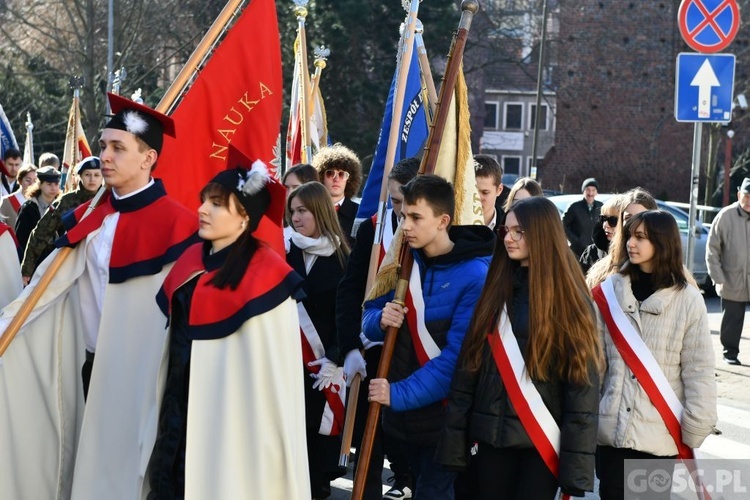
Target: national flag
236, 97
76, 145
318, 121
28, 147
7, 139
294, 133
455, 161
413, 134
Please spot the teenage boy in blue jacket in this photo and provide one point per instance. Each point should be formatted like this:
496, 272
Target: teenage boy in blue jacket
452, 263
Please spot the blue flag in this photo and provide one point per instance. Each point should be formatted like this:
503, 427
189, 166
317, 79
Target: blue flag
412, 136
7, 139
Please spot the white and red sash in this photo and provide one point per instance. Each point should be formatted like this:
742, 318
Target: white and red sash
16, 200
385, 244
424, 345
641, 362
334, 412
534, 415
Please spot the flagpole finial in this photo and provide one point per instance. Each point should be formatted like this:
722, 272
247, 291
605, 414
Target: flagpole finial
29, 125
470, 5
300, 8
321, 54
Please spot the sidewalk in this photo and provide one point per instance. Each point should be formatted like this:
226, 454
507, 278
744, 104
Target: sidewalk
733, 381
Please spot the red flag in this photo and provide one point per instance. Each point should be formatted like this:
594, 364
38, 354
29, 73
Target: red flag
236, 98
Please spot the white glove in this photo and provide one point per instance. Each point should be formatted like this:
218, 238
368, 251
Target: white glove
328, 375
354, 363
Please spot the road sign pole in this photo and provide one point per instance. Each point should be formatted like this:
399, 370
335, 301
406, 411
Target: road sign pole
694, 178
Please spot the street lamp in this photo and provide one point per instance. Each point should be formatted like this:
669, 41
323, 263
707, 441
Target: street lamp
727, 165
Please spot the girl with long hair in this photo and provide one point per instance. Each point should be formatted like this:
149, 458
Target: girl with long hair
231, 419
318, 252
655, 333
535, 312
637, 200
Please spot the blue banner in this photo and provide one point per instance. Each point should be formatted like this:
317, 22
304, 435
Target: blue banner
7, 139
412, 137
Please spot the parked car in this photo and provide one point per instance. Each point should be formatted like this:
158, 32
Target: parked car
700, 271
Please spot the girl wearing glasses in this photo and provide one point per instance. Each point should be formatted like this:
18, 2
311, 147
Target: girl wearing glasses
604, 231
650, 314
341, 173
530, 361
318, 252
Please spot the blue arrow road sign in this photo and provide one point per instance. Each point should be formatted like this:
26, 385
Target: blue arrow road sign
704, 86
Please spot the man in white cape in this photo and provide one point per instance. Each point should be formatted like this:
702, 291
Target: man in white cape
99, 307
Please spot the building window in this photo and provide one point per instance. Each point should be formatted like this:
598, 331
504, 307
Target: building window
512, 165
490, 115
513, 119
543, 121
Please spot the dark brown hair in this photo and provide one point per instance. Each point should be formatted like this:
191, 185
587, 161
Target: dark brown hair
662, 231
340, 157
233, 270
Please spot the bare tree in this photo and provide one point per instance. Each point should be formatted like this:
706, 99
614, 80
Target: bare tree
45, 42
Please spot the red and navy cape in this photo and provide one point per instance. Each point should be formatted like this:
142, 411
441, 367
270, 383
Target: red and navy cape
153, 230
218, 312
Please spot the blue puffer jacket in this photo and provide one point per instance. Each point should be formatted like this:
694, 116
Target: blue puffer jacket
451, 285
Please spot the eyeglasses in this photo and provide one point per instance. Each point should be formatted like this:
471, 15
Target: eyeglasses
515, 232
609, 219
334, 174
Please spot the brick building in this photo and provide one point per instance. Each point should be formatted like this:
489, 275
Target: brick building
609, 92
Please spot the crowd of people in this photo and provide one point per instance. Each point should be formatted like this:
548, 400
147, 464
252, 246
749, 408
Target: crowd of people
180, 355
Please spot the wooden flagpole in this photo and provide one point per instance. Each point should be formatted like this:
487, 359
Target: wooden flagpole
172, 94
426, 72
468, 9
406, 46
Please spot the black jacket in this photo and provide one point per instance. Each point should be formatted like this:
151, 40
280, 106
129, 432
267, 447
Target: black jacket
347, 213
351, 292
579, 224
28, 217
479, 410
596, 250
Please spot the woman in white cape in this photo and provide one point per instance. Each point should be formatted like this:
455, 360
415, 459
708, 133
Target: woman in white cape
231, 420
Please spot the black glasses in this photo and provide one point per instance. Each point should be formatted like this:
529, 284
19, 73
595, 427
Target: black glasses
609, 219
333, 174
515, 232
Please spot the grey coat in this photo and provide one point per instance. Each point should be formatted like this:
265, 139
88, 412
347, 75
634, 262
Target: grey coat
728, 253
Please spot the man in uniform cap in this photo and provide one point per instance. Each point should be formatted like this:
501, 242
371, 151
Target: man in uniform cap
728, 261
100, 306
581, 216
50, 227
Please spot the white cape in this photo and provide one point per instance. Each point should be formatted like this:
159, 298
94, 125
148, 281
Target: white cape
10, 270
51, 445
246, 412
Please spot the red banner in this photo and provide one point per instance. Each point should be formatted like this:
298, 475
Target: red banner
236, 98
